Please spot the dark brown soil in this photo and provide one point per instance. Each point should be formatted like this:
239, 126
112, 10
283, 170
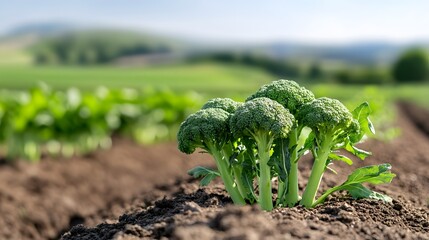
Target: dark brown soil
143, 193
43, 200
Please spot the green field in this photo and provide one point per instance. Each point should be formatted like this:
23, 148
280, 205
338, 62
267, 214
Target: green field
209, 79
205, 78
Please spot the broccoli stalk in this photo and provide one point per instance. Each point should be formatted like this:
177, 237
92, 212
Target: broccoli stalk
292, 97
320, 162
209, 129
263, 120
292, 195
236, 158
264, 142
226, 176
332, 126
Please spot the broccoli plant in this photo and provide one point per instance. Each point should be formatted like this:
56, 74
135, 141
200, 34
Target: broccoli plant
263, 120
263, 138
209, 129
291, 96
333, 127
233, 150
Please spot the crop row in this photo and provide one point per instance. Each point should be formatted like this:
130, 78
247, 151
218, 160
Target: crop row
42, 121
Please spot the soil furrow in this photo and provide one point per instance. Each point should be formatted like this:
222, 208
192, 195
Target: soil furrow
418, 115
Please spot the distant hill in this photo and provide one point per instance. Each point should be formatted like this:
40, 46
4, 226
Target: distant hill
23, 36
41, 29
359, 53
35, 32
354, 53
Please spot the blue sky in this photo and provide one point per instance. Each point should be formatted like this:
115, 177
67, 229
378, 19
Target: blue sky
323, 21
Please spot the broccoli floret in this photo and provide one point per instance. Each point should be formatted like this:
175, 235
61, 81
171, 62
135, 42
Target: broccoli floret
209, 129
332, 124
264, 120
287, 93
291, 96
325, 116
226, 104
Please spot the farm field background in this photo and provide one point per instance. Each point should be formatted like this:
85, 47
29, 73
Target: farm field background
207, 79
210, 79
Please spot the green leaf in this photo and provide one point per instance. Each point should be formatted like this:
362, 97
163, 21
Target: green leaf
358, 191
247, 176
362, 154
342, 158
207, 174
308, 145
361, 113
375, 174
280, 160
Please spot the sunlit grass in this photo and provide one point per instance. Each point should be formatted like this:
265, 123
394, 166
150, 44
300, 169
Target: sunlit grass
209, 79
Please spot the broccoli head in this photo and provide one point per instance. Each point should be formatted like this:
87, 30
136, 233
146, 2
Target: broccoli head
261, 116
326, 116
287, 93
226, 104
207, 129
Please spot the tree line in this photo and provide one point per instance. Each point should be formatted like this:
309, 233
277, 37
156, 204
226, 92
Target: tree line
94, 47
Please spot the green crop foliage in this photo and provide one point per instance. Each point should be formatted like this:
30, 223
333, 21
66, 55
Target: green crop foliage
42, 121
264, 138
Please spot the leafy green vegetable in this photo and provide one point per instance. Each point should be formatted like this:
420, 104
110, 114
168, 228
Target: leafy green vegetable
42, 121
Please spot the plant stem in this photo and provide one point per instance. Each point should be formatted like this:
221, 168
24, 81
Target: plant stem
316, 175
226, 176
265, 195
264, 143
322, 198
292, 195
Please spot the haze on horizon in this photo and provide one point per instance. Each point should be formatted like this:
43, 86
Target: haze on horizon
321, 22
